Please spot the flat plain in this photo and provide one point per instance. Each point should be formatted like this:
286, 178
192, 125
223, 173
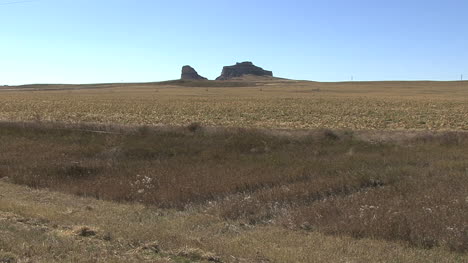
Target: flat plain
235, 171
255, 104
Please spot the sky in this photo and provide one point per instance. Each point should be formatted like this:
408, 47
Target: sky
96, 41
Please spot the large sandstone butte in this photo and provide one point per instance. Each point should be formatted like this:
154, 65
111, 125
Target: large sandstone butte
189, 73
244, 68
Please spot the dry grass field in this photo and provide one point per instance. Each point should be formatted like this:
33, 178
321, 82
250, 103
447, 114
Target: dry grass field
248, 170
42, 226
231, 195
267, 104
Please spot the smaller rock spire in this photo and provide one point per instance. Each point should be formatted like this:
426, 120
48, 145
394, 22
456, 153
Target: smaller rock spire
189, 73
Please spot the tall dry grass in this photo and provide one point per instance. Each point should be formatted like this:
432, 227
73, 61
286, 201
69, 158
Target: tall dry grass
412, 191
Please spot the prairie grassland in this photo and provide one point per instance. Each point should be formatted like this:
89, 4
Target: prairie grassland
246, 194
275, 104
178, 172
38, 226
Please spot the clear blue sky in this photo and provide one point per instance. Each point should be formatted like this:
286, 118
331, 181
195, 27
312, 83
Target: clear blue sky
89, 41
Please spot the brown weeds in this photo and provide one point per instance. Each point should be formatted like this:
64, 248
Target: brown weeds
327, 181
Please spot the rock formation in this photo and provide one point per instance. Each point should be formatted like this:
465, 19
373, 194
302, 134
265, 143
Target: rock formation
188, 73
244, 68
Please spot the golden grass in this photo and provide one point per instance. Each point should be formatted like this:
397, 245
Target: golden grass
240, 195
410, 191
32, 223
274, 104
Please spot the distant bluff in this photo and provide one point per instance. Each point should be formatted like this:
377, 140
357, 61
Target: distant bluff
189, 73
244, 68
